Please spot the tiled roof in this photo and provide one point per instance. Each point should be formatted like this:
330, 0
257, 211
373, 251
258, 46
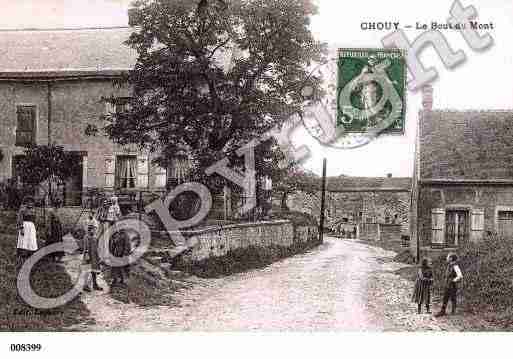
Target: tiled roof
35, 52
466, 145
345, 183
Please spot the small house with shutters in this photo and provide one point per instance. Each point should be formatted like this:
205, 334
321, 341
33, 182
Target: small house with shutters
463, 178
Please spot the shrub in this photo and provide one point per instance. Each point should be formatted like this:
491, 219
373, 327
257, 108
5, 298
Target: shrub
241, 260
487, 269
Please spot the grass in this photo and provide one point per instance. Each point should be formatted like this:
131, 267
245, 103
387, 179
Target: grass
487, 286
48, 279
242, 259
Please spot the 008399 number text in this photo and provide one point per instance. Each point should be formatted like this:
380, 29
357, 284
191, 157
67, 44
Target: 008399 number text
26, 347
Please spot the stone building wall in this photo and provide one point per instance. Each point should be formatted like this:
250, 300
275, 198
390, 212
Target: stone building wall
74, 105
489, 199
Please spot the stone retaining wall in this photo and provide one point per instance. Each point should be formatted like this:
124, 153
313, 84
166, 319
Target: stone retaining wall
369, 231
390, 232
218, 241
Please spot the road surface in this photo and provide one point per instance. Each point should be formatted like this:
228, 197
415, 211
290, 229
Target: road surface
342, 285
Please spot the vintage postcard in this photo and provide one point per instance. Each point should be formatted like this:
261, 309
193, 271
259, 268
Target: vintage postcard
240, 166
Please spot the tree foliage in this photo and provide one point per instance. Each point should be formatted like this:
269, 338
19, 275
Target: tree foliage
296, 179
211, 78
45, 163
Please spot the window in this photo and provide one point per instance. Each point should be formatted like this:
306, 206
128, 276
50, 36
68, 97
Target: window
505, 224
25, 125
117, 105
126, 172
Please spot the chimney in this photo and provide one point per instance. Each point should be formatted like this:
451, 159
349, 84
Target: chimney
427, 97
389, 175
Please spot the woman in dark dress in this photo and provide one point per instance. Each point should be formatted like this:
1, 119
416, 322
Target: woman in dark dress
55, 233
422, 290
120, 248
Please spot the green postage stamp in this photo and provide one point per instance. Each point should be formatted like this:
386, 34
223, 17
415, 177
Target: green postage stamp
371, 90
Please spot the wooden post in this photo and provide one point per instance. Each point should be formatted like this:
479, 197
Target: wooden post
140, 205
49, 115
323, 202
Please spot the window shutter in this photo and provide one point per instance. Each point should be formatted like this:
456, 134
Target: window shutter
160, 177
84, 171
142, 171
110, 166
477, 220
110, 107
26, 125
437, 225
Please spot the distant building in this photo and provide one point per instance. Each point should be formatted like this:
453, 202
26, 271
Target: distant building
463, 178
371, 208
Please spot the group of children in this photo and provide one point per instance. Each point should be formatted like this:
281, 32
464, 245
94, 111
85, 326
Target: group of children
96, 240
424, 282
100, 237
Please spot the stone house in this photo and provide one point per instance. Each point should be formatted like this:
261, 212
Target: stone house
53, 83
371, 208
463, 178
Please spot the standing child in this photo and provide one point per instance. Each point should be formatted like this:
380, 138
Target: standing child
120, 247
422, 291
27, 241
453, 276
91, 252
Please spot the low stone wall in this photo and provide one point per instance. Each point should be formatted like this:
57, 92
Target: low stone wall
218, 241
304, 234
369, 231
390, 232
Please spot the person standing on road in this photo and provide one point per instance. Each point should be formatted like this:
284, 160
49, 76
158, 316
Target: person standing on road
120, 247
422, 290
91, 256
452, 277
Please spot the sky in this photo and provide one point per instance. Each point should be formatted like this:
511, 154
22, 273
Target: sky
484, 81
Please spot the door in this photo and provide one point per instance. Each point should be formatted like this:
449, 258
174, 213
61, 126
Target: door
72, 191
456, 227
505, 222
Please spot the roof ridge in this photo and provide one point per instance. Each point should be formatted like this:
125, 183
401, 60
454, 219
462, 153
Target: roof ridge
66, 28
472, 110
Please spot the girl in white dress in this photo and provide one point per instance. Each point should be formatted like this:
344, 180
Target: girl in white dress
27, 234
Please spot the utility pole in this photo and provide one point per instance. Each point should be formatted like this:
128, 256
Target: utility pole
323, 202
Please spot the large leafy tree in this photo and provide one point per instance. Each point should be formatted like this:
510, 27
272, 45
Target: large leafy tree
213, 75
295, 179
